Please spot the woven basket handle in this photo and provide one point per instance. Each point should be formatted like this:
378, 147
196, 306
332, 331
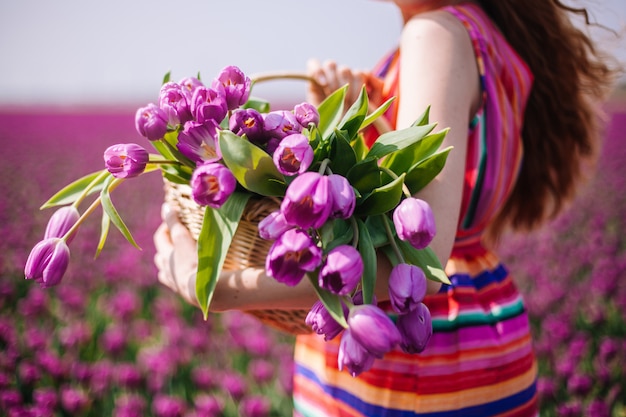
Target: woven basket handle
381, 124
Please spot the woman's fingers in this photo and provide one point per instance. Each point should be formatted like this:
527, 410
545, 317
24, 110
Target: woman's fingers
176, 255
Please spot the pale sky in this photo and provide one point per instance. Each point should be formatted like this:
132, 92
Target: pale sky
117, 51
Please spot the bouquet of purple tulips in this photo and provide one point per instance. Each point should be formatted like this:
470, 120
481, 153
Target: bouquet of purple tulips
340, 202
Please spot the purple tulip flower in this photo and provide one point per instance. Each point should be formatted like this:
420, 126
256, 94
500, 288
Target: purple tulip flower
47, 262
173, 102
281, 123
208, 104
273, 225
199, 142
306, 113
235, 84
415, 328
188, 86
322, 323
151, 122
343, 196
61, 222
292, 255
212, 184
342, 270
414, 222
407, 287
248, 122
307, 201
293, 155
373, 329
353, 356
126, 160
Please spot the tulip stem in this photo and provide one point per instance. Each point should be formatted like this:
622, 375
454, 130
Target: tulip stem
324, 166
114, 184
92, 184
165, 162
392, 241
393, 175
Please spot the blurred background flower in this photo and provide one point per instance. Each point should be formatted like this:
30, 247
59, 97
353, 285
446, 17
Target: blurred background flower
112, 342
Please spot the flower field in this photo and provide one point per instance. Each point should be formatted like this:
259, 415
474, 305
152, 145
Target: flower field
111, 341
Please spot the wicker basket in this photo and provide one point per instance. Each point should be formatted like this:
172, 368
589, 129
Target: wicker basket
247, 249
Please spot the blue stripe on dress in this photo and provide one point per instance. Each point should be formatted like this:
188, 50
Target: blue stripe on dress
483, 410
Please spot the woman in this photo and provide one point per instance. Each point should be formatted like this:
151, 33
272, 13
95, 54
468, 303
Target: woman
515, 82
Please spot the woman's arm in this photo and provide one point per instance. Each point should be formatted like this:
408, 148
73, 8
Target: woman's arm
438, 68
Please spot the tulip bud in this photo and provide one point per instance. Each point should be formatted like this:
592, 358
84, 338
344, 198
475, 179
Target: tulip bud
353, 356
293, 155
212, 184
208, 104
235, 84
125, 160
248, 122
61, 222
281, 123
342, 270
407, 287
414, 222
306, 113
291, 256
274, 225
373, 329
416, 328
151, 122
307, 201
343, 196
173, 102
199, 141
47, 262
188, 85
322, 323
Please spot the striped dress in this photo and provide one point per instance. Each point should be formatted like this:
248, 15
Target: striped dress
479, 361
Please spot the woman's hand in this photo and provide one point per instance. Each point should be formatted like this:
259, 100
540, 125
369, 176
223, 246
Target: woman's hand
176, 256
331, 77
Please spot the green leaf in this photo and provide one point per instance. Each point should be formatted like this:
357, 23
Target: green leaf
331, 110
377, 230
218, 228
377, 113
404, 159
341, 154
252, 166
365, 176
353, 119
104, 232
258, 104
331, 301
425, 171
398, 139
167, 77
359, 148
382, 199
335, 233
71, 192
370, 266
425, 259
423, 119
109, 209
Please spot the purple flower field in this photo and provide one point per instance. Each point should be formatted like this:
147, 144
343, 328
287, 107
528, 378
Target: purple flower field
111, 341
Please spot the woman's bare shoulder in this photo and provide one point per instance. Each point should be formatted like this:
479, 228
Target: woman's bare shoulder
435, 27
